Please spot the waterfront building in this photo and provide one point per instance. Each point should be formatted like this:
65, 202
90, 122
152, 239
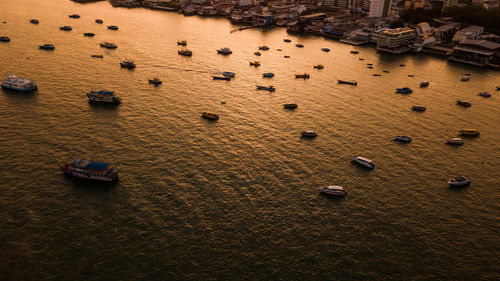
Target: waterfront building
477, 52
396, 41
446, 32
469, 33
379, 8
449, 3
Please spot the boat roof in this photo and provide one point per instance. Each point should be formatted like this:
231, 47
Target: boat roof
363, 159
106, 92
92, 165
334, 187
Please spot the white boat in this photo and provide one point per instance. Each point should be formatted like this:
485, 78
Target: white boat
364, 161
19, 84
90, 170
460, 181
333, 190
106, 97
465, 78
455, 141
309, 134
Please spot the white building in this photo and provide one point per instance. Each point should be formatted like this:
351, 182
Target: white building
379, 8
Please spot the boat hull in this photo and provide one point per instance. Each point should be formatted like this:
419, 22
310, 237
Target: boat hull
19, 89
67, 171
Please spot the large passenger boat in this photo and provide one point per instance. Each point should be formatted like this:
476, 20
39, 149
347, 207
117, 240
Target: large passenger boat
19, 84
106, 97
91, 170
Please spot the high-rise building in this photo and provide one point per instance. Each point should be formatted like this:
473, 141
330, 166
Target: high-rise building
379, 8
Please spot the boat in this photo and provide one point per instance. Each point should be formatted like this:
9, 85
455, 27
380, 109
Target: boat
370, 64
74, 16
290, 105
221, 78
211, 116
4, 39
385, 71
469, 132
34, 21
354, 52
465, 78
369, 67
334, 190
498, 88
304, 76
66, 28
418, 108
402, 138
19, 84
319, 66
354, 83
47, 47
485, 94
299, 45
268, 75
105, 97
265, 48
287, 40
89, 34
182, 43
228, 74
257, 53
99, 21
402, 65
255, 63
279, 50
186, 53
128, 64
112, 27
460, 181
155, 81
404, 90
411, 75
464, 103
361, 59
270, 88
97, 56
455, 141
309, 134
224, 51
286, 57
325, 50
108, 45
90, 170
363, 161
376, 74
424, 84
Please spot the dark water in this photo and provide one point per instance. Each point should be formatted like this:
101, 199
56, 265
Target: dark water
237, 199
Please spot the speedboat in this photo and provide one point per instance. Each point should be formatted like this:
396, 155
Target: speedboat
464, 103
97, 56
224, 51
363, 161
221, 78
112, 27
90, 170
270, 88
74, 16
127, 64
404, 90
229, 74
155, 81
264, 48
255, 63
34, 21
299, 45
290, 105
418, 108
182, 43
460, 181
309, 134
402, 138
66, 28
455, 141
304, 76
354, 83
424, 84
469, 132
105, 97
485, 94
186, 53
4, 39
325, 50
354, 52
257, 53
465, 78
108, 45
19, 84
211, 116
98, 21
334, 190
268, 75
47, 47
319, 66
287, 40
89, 34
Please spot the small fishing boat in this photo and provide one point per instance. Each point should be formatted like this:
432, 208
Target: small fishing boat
268, 75
404, 90
485, 94
224, 51
229, 74
89, 34
74, 16
47, 47
99, 21
90, 170
127, 64
103, 97
419, 108
365, 162
299, 45
309, 134
469, 132
464, 103
270, 88
354, 83
334, 190
257, 53
290, 105
254, 63
376, 74
182, 43
325, 50
264, 48
97, 56
4, 39
112, 27
186, 53
221, 78
424, 84
108, 45
211, 116
66, 28
34, 21
354, 52
455, 141
402, 139
156, 81
287, 40
460, 181
319, 66
304, 76
465, 78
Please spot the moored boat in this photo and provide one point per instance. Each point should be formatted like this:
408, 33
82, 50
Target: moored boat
254, 63
90, 170
112, 27
186, 53
319, 66
464, 103
127, 64
376, 74
287, 40
290, 105
98, 21
89, 34
182, 43
19, 84
299, 45
268, 75
334, 190
419, 108
364, 161
74, 16
155, 81
309, 134
455, 141
47, 47
465, 78
354, 52
402, 138
211, 116
229, 74
97, 56
460, 181
257, 53
108, 45
264, 48
404, 90
304, 76
4, 39
325, 50
485, 94
66, 28
34, 21
424, 84
224, 51
469, 132
270, 88
221, 78
354, 83
105, 97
